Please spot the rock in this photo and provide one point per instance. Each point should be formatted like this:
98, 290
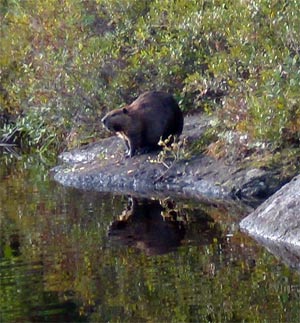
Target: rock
255, 185
278, 218
101, 166
276, 223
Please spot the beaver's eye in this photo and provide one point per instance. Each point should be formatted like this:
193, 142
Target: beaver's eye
125, 110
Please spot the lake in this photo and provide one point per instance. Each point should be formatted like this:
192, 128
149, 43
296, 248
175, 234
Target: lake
73, 256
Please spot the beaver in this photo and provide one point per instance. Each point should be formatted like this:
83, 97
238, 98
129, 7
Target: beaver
153, 115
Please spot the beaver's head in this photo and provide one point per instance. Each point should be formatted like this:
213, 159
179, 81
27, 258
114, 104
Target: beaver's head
117, 120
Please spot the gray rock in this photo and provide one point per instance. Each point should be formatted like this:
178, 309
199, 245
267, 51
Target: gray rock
278, 218
276, 223
101, 166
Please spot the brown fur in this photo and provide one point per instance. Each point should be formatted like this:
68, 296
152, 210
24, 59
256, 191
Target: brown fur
153, 115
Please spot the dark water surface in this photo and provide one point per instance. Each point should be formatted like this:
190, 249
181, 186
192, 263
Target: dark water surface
71, 256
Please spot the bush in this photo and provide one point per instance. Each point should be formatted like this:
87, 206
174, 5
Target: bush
70, 61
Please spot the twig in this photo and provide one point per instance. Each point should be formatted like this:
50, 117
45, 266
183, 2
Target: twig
162, 176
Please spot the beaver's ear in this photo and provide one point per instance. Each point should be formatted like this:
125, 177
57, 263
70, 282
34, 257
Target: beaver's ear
125, 110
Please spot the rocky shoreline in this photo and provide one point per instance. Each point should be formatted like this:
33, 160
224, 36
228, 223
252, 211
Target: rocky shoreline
101, 166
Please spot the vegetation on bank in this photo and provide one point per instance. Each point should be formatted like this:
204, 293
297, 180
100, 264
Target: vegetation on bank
64, 63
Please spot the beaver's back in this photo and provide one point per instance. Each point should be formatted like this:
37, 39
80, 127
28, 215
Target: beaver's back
142, 123
159, 114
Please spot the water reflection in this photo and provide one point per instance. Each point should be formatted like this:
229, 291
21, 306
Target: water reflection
143, 225
70, 256
159, 226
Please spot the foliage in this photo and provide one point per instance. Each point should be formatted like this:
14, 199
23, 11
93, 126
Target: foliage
70, 61
173, 150
34, 131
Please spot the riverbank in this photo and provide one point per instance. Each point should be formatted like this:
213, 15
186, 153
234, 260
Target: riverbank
101, 166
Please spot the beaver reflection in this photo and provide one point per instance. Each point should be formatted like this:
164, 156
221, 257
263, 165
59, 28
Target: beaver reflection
142, 226
150, 226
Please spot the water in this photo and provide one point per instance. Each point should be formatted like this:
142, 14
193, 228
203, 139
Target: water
72, 256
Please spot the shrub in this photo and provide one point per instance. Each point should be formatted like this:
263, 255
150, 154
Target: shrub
71, 61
